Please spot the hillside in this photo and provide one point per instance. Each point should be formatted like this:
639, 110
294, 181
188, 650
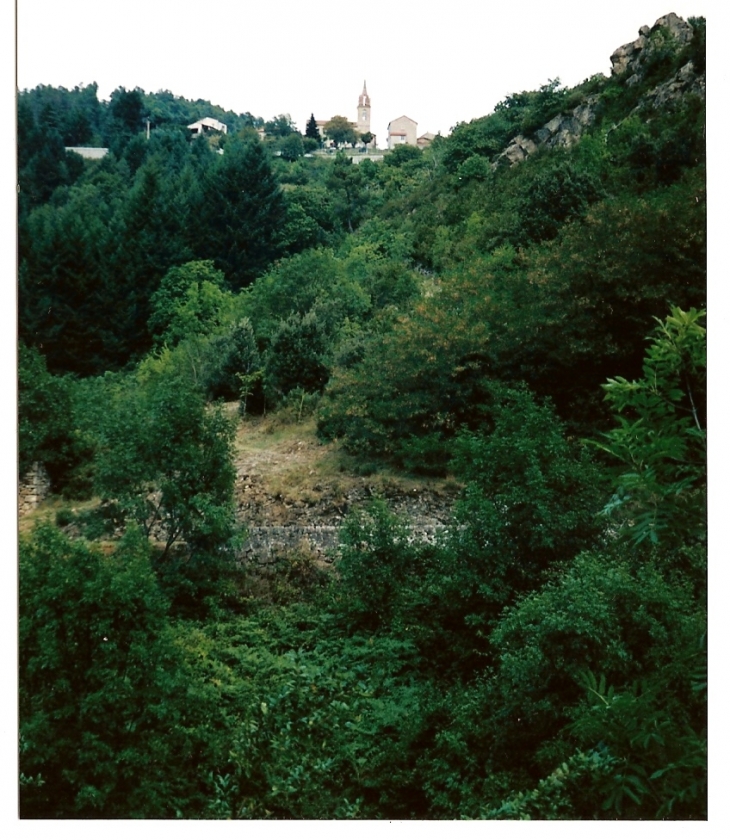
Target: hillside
377, 491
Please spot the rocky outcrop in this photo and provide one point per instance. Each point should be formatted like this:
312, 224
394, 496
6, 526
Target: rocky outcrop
685, 81
563, 131
629, 61
519, 149
631, 58
627, 57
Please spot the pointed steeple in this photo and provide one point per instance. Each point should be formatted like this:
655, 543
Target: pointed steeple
364, 99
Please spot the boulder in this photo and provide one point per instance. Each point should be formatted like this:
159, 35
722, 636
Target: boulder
519, 149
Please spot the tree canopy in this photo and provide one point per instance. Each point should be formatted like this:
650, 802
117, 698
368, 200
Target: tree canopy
340, 131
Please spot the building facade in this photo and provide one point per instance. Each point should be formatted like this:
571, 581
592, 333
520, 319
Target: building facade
402, 131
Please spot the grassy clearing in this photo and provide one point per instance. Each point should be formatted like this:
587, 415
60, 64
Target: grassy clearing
50, 508
294, 463
290, 463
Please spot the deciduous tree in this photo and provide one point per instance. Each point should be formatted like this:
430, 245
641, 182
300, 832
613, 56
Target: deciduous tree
340, 131
660, 439
167, 460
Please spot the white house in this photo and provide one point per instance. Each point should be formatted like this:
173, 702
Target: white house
89, 152
208, 124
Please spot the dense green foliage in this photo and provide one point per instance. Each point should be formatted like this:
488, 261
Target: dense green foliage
166, 460
536, 332
100, 685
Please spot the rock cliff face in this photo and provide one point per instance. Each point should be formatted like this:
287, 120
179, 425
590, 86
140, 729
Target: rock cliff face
630, 63
685, 80
632, 58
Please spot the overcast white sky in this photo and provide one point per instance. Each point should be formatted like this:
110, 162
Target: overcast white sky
438, 63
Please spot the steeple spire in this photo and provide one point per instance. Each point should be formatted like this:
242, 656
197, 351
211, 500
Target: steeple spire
364, 98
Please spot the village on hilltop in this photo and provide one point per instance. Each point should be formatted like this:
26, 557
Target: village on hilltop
401, 131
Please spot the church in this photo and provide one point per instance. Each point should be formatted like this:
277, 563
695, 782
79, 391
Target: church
360, 126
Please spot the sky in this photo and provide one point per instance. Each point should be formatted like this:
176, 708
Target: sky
438, 63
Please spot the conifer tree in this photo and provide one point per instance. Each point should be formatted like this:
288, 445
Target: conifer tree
242, 213
312, 131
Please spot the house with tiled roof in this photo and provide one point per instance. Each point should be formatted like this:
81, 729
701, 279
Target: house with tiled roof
402, 130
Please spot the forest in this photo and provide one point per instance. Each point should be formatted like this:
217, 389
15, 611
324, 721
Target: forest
531, 331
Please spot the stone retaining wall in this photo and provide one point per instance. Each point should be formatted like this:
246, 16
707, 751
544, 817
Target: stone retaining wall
33, 488
265, 543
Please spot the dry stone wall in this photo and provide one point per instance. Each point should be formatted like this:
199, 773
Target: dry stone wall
265, 543
33, 488
277, 524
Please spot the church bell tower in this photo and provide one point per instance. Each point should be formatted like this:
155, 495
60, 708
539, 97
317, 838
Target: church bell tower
363, 111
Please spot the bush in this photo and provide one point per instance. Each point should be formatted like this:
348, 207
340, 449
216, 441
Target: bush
296, 356
376, 558
46, 423
531, 499
99, 687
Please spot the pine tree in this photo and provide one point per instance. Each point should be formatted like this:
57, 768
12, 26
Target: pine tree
242, 214
312, 131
